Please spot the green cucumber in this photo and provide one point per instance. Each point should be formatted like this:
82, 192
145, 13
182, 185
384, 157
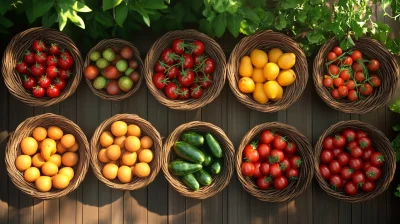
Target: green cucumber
203, 177
193, 138
190, 181
213, 145
188, 152
181, 168
215, 167
207, 159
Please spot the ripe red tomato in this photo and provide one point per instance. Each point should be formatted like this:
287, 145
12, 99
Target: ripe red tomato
292, 173
366, 89
343, 158
373, 173
353, 143
171, 90
280, 182
327, 143
331, 56
336, 182
52, 91
54, 49
359, 77
196, 91
339, 141
205, 80
183, 93
364, 142
188, 62
328, 82
366, 165
347, 61
44, 82
368, 186
349, 134
168, 56
264, 182
60, 83
52, 72
276, 156
28, 82
334, 167
377, 159
209, 66
357, 67
295, 161
346, 173
21, 67
338, 82
343, 91
248, 169
358, 178
352, 96
178, 46
326, 156
172, 72
160, 67
51, 60
264, 168
263, 150
267, 137
198, 48
324, 171
275, 170
40, 57
65, 62
333, 69
280, 143
285, 165
37, 69
251, 155
361, 134
38, 91
29, 57
337, 50
356, 55
356, 163
39, 46
257, 172
351, 84
367, 154
336, 152
335, 94
374, 65
375, 80
64, 74
249, 148
356, 152
159, 80
350, 188
186, 78
345, 75
290, 148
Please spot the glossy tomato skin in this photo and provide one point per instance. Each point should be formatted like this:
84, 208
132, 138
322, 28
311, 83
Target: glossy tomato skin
280, 143
336, 181
292, 173
346, 173
356, 163
263, 150
167, 56
60, 83
368, 186
373, 173
248, 169
44, 82
324, 171
367, 154
275, 170
280, 182
205, 80
374, 65
366, 165
38, 91
64, 74
257, 172
356, 55
53, 91
361, 134
377, 159
184, 93
51, 60
173, 72
54, 49
352, 144
338, 82
52, 72
159, 80
349, 134
290, 149
343, 158
196, 91
335, 94
375, 80
263, 182
337, 50
358, 178
366, 89
347, 61
345, 75
251, 155
37, 69
188, 62
351, 85
209, 66
334, 167
159, 67
29, 58
265, 168
285, 165
295, 161
356, 152
343, 91
178, 46
171, 90
365, 142
267, 137
339, 141
327, 143
22, 67
276, 156
39, 46
29, 82
357, 67
336, 152
352, 96
326, 156
186, 78
350, 188
331, 56
40, 57
198, 48
333, 69
328, 82
65, 62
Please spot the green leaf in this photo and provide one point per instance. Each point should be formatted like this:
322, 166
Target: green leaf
395, 107
80, 7
219, 24
219, 6
153, 4
104, 18
268, 20
49, 19
6, 23
233, 24
205, 27
62, 17
280, 24
5, 5
109, 4
144, 14
396, 127
291, 4
196, 5
315, 37
77, 20
347, 43
33, 11
121, 12
249, 14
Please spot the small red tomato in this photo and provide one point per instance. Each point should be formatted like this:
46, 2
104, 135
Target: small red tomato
352, 96
339, 141
295, 161
38, 91
39, 46
357, 67
331, 56
290, 148
159, 80
198, 48
368, 186
52, 91
198, 59
373, 65
249, 148
377, 159
334, 167
347, 61
257, 172
358, 178
183, 93
373, 173
40, 57
276, 156
196, 91
186, 78
349, 134
350, 188
359, 77
60, 83
324, 171
21, 67
267, 137
54, 49
248, 169
178, 46
336, 152
168, 56
366, 165
64, 74
65, 61
351, 85
52, 72
285, 164
160, 67
37, 69
337, 50
264, 182
171, 90
356, 55
364, 142
51, 60
346, 173
326, 156
263, 150
172, 72
292, 174
343, 158
327, 143
361, 134
366, 89
367, 154
375, 80
29, 82
345, 75
280, 182
264, 168
333, 69
328, 82
280, 143
353, 143
188, 62
356, 152
209, 66
251, 155
29, 57
205, 80
343, 91
336, 182
275, 170
338, 82
356, 163
44, 82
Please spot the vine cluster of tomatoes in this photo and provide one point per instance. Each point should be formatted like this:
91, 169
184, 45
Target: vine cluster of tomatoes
350, 162
45, 69
274, 160
184, 71
350, 75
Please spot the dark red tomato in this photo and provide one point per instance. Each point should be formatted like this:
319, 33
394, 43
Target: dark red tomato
21, 67
54, 49
198, 59
345, 75
184, 93
168, 56
276, 156
324, 171
275, 170
331, 56
171, 90
52, 91
328, 82
196, 91
29, 82
280, 143
188, 62
357, 67
333, 69
52, 72
37, 69
257, 172
350, 188
326, 156
44, 82
251, 155
349, 134
264, 168
336, 152
263, 150
295, 161
65, 53
337, 50
359, 77
280, 182
358, 178
209, 66
173, 72
198, 48
159, 80
64, 74
338, 82
334, 167
336, 181
366, 165
374, 65
373, 173
292, 173
361, 134
346, 173
285, 165
367, 154
205, 80
51, 60
375, 80
366, 89
40, 57
343, 91
248, 169
327, 143
38, 91
356, 152
356, 55
65, 62
60, 83
368, 186
39, 46
343, 158
160, 67
377, 159
29, 57
267, 137
365, 142
356, 163
351, 85
352, 96
347, 60
263, 182
290, 148
186, 78
178, 46
339, 141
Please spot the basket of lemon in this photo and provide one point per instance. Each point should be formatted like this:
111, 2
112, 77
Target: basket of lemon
126, 152
45, 160
267, 71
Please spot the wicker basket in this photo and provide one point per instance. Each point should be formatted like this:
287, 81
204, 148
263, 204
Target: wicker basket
147, 129
220, 181
388, 71
24, 130
117, 44
14, 53
211, 48
306, 171
379, 141
265, 40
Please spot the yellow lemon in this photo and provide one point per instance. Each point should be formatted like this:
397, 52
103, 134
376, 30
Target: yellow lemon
259, 94
246, 85
258, 58
245, 67
279, 95
274, 54
271, 71
286, 77
287, 60
258, 75
272, 89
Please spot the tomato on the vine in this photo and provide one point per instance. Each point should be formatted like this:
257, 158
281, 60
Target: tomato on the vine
186, 78
209, 66
366, 89
173, 72
350, 84
338, 82
178, 46
331, 56
159, 80
343, 91
347, 61
196, 91
168, 56
328, 82
373, 65
337, 50
333, 69
375, 80
171, 90
198, 48
352, 96
183, 93
160, 67
357, 67
345, 75
359, 77
187, 62
356, 55
205, 80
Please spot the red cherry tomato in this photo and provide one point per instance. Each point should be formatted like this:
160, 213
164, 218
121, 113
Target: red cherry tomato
368, 186
333, 69
280, 182
257, 172
264, 182
280, 143
198, 48
345, 75
160, 67
196, 91
60, 83
171, 90
331, 56
44, 82
356, 55
29, 82
159, 80
188, 62
264, 168
334, 167
353, 143
374, 65
275, 170
359, 77
361, 134
336, 152
335, 94
205, 80
324, 171
327, 143
336, 182
337, 50
29, 58
347, 61
285, 165
366, 165
263, 150
373, 173
343, 91
346, 173
39, 46
38, 91
22, 67
51, 60
267, 137
186, 78
349, 134
328, 82
290, 148
356, 163
248, 169
53, 91
351, 85
367, 154
172, 72
356, 152
364, 142
375, 80
292, 174
168, 56
52, 72
178, 46
343, 158
276, 156
65, 61
209, 66
183, 93
295, 161
326, 156
251, 155
54, 49
358, 178
350, 188
357, 67
338, 82
339, 141
352, 96
377, 159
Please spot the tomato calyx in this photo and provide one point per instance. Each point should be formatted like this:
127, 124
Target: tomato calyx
273, 159
267, 179
254, 144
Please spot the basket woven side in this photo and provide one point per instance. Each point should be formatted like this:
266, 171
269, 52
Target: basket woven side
25, 129
220, 181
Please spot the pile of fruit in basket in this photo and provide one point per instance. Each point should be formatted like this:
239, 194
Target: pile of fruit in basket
48, 157
126, 152
198, 159
45, 69
117, 68
271, 161
350, 76
264, 74
184, 71
349, 162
